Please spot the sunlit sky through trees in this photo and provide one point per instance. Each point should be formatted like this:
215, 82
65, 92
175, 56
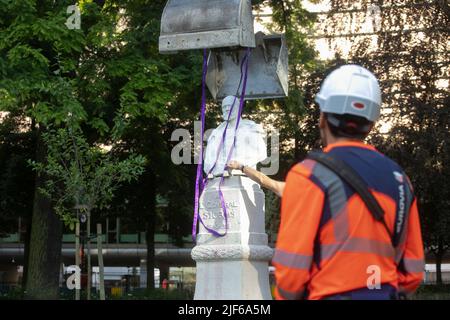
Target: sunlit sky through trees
361, 23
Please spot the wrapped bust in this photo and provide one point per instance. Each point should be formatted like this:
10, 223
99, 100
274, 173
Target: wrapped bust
249, 149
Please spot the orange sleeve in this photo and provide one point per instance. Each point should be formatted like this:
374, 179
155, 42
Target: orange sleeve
412, 265
301, 210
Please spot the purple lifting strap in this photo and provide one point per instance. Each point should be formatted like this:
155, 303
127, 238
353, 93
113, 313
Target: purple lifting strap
200, 182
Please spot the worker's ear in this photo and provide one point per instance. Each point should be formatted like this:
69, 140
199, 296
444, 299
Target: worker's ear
323, 128
322, 121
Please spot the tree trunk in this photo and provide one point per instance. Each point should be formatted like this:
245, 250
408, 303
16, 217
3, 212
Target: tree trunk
439, 255
26, 254
89, 267
150, 237
77, 258
45, 242
101, 268
151, 251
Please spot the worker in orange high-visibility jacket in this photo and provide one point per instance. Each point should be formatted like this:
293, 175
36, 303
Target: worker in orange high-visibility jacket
329, 246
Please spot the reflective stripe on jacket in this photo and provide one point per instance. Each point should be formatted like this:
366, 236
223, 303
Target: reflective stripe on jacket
328, 241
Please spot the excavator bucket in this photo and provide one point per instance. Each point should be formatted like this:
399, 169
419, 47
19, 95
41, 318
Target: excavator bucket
268, 74
199, 24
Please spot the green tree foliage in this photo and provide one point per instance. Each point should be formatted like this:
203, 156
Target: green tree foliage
291, 117
286, 115
108, 76
174, 90
81, 175
37, 58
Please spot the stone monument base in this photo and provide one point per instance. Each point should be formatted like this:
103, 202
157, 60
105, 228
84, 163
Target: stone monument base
236, 266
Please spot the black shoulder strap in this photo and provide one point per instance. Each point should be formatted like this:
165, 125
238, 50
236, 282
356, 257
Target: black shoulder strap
347, 174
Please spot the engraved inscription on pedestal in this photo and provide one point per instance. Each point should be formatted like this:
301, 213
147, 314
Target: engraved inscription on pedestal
212, 213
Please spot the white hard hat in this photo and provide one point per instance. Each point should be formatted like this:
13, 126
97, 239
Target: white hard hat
351, 89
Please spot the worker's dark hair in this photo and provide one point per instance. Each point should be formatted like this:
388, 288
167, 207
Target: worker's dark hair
348, 125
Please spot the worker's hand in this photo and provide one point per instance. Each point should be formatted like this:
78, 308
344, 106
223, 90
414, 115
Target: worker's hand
234, 165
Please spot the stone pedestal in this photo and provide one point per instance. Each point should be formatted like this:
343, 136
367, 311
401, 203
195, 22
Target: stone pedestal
234, 267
